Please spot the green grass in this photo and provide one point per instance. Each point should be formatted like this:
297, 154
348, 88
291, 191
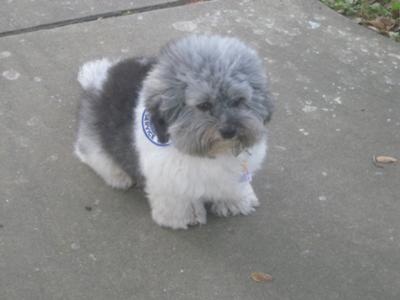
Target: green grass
364, 8
369, 10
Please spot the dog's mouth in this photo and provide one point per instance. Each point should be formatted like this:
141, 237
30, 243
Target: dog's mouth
208, 142
223, 146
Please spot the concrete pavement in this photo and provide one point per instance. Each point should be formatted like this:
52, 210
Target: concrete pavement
18, 15
328, 226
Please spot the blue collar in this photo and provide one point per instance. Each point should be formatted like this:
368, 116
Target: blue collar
149, 130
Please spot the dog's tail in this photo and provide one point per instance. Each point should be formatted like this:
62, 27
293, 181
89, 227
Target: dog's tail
93, 74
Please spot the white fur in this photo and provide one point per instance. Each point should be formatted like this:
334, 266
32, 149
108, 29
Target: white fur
177, 184
88, 149
93, 74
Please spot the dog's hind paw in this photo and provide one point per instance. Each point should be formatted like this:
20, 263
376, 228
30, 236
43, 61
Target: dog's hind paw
119, 180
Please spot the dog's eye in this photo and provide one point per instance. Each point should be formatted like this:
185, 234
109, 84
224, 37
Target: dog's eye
205, 106
238, 101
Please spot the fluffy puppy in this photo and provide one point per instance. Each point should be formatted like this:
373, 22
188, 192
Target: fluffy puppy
188, 124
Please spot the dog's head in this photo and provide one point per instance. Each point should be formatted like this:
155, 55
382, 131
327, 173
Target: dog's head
208, 95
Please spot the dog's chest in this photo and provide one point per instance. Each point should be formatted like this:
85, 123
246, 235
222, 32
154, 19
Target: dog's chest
165, 165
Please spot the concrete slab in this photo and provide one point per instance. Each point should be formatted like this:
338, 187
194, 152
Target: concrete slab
328, 226
29, 13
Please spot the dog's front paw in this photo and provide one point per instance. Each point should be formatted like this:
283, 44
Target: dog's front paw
199, 214
180, 217
244, 205
232, 208
253, 200
173, 223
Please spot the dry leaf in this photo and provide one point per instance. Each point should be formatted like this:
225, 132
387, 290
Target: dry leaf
377, 24
260, 277
382, 23
381, 159
373, 28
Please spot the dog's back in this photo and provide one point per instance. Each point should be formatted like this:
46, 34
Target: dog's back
106, 116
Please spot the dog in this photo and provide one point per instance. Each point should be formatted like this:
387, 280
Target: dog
188, 125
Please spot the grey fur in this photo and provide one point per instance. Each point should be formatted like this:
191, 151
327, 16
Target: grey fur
188, 72
109, 116
216, 69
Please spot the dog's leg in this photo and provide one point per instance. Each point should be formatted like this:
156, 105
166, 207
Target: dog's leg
242, 202
176, 212
199, 213
90, 153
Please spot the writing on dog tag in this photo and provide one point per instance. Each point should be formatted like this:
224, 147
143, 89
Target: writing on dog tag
149, 131
246, 175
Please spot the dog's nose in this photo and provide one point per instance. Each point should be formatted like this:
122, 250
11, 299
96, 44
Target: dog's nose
228, 132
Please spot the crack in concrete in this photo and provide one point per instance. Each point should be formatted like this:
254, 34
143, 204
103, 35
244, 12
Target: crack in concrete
106, 15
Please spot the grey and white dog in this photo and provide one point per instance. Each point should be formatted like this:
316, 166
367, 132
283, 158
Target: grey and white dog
189, 124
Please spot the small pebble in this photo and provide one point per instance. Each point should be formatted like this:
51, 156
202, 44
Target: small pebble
75, 246
11, 74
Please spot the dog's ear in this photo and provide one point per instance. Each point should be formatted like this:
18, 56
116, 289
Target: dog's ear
159, 123
270, 107
268, 118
